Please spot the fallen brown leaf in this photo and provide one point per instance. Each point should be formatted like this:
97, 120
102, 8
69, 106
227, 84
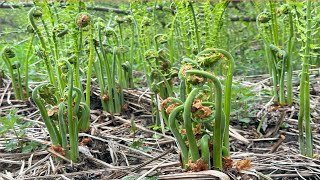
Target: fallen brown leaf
53, 111
227, 163
243, 164
185, 68
199, 165
171, 108
58, 149
197, 103
85, 141
164, 103
200, 110
197, 129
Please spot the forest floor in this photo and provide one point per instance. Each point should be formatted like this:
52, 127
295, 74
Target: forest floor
113, 149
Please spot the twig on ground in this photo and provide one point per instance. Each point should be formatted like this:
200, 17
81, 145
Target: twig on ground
4, 93
278, 143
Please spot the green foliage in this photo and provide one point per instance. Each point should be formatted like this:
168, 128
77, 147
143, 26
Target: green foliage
243, 99
25, 147
11, 145
139, 144
31, 146
12, 124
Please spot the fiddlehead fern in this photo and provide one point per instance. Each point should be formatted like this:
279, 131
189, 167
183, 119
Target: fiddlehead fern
36, 13
44, 94
60, 30
209, 58
305, 142
83, 20
7, 54
219, 120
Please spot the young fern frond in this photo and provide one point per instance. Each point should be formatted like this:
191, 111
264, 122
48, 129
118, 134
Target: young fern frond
83, 20
41, 95
306, 33
35, 13
219, 125
271, 25
8, 54
70, 107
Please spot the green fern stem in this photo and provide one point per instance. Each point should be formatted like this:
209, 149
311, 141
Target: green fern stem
171, 39
27, 65
77, 43
289, 61
61, 83
180, 142
20, 89
63, 127
90, 62
84, 120
188, 125
72, 120
36, 12
205, 152
280, 54
304, 113
104, 66
98, 70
